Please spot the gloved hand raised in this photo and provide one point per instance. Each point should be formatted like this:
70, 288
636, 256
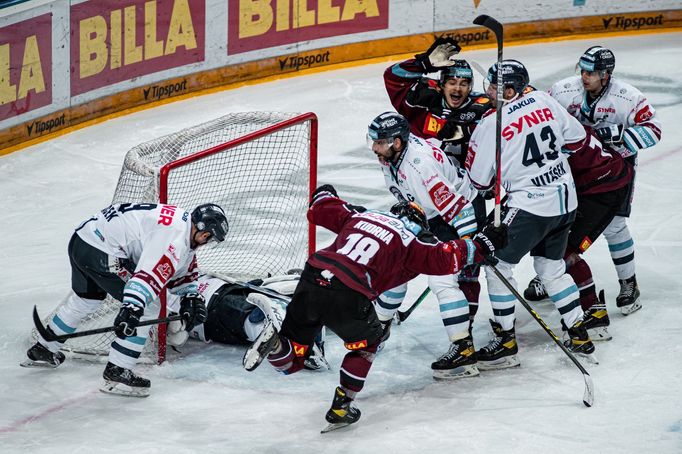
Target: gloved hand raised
438, 55
321, 191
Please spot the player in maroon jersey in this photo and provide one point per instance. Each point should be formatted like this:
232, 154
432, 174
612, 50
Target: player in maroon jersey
602, 178
373, 252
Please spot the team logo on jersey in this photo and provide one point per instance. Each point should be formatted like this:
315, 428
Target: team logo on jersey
356, 345
164, 269
299, 349
432, 125
585, 244
440, 195
643, 115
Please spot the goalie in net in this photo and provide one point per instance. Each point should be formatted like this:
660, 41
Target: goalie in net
259, 166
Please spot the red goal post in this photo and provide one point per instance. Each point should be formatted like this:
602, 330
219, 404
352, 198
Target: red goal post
260, 167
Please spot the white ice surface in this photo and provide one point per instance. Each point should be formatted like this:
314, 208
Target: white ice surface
205, 402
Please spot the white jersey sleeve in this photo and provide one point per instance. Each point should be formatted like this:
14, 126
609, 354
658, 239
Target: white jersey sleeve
425, 175
536, 135
620, 104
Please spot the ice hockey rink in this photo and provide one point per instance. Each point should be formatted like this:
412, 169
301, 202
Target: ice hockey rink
205, 402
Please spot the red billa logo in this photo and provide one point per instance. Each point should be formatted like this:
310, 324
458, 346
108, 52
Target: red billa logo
433, 124
643, 115
164, 269
356, 345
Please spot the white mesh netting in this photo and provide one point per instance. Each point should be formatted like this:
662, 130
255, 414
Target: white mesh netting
263, 186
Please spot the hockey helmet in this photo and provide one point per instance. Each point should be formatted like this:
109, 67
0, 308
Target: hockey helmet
460, 69
389, 125
514, 75
209, 217
411, 213
597, 58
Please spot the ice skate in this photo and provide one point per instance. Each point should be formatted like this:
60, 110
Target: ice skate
596, 320
266, 342
535, 291
124, 382
500, 353
458, 362
342, 413
580, 343
628, 298
39, 356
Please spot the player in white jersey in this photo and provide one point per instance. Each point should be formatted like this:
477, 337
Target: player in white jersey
132, 252
541, 203
415, 170
625, 122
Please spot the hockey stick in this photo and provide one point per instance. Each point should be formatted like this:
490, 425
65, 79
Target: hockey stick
492, 24
255, 288
50, 337
402, 316
588, 397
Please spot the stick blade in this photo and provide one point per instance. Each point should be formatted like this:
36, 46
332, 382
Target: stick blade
588, 397
49, 337
489, 22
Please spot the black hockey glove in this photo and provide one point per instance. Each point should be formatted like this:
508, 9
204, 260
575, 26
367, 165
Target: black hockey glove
127, 320
489, 240
356, 208
451, 132
322, 191
193, 310
438, 55
611, 135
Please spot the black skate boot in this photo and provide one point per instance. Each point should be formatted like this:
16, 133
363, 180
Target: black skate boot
459, 361
124, 382
41, 356
596, 320
500, 353
342, 413
535, 291
628, 298
266, 342
580, 342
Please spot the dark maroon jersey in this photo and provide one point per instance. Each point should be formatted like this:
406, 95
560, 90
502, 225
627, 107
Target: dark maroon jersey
596, 169
374, 251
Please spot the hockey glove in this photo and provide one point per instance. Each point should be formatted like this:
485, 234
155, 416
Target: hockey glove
326, 190
489, 240
451, 132
193, 310
438, 55
611, 135
127, 320
356, 208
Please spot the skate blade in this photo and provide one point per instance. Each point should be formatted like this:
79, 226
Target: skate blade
502, 363
253, 355
43, 364
470, 370
599, 334
119, 389
631, 308
335, 426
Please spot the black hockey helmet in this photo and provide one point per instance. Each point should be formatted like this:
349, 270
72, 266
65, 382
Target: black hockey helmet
209, 217
389, 125
514, 75
460, 69
597, 58
411, 212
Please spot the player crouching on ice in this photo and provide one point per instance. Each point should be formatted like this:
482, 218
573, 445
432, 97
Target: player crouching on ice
237, 313
158, 242
373, 252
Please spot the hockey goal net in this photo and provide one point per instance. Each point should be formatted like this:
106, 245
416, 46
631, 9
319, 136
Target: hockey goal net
260, 167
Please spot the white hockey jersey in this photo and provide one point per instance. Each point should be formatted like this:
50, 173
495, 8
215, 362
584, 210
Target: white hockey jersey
424, 174
536, 133
155, 238
620, 104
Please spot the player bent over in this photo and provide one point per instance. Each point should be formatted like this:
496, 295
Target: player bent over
536, 133
156, 244
626, 123
373, 252
237, 314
